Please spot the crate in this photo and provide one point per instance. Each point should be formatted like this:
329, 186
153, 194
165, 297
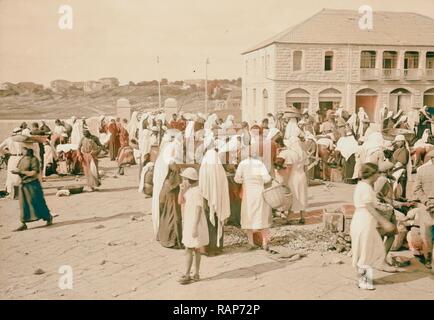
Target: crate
333, 221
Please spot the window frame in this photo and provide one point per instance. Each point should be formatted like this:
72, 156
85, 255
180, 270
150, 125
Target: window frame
333, 61
301, 60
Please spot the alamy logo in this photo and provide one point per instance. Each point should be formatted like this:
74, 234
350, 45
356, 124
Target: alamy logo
366, 21
66, 18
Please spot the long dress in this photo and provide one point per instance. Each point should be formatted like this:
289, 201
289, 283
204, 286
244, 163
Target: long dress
255, 212
31, 197
114, 142
297, 180
367, 246
89, 151
193, 199
170, 223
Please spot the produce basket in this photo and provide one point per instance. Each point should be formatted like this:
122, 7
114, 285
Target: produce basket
278, 197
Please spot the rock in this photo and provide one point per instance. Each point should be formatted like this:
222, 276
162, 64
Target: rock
39, 271
103, 262
134, 289
100, 226
340, 248
348, 239
337, 261
7, 237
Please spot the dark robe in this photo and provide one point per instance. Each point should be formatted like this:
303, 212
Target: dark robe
170, 225
212, 249
114, 143
31, 197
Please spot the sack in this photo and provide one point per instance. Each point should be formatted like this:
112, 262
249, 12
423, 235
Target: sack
386, 225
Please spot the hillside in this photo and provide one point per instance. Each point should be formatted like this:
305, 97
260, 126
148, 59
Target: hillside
49, 105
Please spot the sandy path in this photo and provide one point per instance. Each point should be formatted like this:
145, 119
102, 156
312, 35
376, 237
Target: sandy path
115, 256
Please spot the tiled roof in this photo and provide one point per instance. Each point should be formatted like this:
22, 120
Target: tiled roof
342, 27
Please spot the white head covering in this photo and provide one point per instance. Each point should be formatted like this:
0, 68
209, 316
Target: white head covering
347, 146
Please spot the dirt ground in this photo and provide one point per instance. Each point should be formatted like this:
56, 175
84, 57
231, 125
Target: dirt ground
106, 238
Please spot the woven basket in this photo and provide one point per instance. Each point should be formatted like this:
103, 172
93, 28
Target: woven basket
278, 197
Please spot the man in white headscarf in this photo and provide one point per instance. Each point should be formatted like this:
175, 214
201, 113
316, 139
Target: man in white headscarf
145, 137
364, 121
292, 129
370, 151
402, 159
214, 188
133, 125
77, 131
348, 147
295, 175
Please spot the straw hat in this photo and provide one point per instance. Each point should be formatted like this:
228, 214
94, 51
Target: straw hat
190, 173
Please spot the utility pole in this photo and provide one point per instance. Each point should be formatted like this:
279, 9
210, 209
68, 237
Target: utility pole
159, 80
206, 86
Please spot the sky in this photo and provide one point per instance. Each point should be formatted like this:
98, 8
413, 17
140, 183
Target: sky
122, 38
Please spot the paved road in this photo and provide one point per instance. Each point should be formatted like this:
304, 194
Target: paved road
106, 238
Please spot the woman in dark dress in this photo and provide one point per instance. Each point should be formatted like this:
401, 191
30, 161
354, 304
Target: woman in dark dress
170, 226
31, 197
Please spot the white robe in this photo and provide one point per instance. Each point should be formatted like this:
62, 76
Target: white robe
255, 212
214, 187
366, 244
297, 180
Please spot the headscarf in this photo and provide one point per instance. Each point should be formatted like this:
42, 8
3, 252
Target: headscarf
170, 153
272, 133
214, 188
347, 146
211, 120
423, 141
373, 143
229, 123
292, 129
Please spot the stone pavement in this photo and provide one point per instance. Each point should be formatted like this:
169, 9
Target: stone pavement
106, 238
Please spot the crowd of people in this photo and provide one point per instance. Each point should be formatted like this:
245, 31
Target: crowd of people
204, 172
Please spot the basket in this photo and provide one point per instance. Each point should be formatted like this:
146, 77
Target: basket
278, 197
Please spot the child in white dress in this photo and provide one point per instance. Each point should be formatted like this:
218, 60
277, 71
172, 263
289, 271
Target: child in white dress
195, 228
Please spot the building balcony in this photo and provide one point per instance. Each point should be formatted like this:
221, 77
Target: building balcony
429, 74
369, 74
412, 74
391, 74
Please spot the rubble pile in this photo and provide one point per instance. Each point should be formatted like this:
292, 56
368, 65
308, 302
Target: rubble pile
307, 240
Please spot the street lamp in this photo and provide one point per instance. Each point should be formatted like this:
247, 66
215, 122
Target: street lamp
159, 80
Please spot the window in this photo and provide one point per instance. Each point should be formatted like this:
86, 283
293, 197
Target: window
368, 59
411, 60
297, 60
263, 65
328, 61
254, 98
247, 67
390, 59
254, 66
430, 60
267, 64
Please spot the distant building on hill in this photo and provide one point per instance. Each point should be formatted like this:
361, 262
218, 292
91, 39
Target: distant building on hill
92, 86
109, 83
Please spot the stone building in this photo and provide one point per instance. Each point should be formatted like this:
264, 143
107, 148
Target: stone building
328, 60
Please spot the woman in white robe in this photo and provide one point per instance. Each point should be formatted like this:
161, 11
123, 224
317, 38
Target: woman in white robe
256, 214
77, 131
294, 176
366, 243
